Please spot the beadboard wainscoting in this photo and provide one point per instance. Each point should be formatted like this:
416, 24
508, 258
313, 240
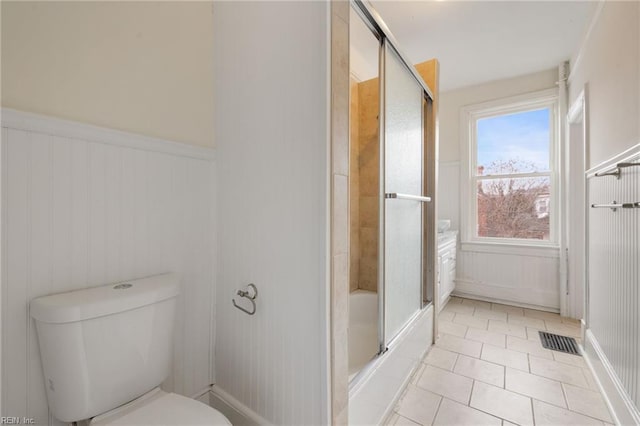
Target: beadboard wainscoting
84, 206
272, 138
526, 277
613, 309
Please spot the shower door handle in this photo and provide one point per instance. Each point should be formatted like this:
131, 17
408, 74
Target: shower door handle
407, 197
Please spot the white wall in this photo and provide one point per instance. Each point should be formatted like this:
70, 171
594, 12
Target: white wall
83, 206
530, 278
142, 67
449, 115
452, 100
271, 85
609, 65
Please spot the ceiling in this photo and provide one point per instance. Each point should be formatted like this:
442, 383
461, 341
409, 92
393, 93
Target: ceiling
477, 41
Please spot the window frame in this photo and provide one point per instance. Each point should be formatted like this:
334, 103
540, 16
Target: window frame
469, 117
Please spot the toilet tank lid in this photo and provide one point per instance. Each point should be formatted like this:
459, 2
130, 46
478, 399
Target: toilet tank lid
104, 300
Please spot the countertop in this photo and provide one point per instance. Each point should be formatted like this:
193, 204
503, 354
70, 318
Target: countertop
446, 237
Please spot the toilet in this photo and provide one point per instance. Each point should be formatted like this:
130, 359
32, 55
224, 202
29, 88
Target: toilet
106, 350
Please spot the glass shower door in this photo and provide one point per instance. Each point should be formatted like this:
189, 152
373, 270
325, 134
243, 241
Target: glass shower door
402, 190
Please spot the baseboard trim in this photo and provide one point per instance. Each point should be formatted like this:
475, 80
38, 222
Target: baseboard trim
620, 404
201, 393
489, 293
237, 413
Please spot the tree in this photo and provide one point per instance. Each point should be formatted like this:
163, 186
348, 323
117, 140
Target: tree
512, 207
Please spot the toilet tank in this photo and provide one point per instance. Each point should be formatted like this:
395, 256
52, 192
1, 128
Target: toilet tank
104, 346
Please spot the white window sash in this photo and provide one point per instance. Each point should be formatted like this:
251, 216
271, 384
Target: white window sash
469, 117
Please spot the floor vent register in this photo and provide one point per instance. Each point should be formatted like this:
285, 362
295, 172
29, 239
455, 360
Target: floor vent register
559, 343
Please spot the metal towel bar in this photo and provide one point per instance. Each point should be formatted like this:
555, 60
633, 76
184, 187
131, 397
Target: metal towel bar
615, 206
408, 197
617, 170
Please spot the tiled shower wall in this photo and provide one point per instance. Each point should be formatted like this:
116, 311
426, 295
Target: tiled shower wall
354, 186
364, 199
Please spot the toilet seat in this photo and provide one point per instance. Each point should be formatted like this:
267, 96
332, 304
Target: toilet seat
160, 408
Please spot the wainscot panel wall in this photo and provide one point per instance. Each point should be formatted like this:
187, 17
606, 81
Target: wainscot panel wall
84, 206
524, 279
493, 275
613, 307
607, 69
272, 90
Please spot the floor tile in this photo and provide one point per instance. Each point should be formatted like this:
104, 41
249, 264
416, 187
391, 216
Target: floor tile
469, 365
446, 383
543, 315
419, 405
446, 315
507, 328
490, 337
557, 371
575, 360
480, 370
459, 308
550, 415
506, 357
459, 345
591, 381
417, 374
588, 402
563, 329
489, 314
502, 403
471, 321
477, 303
391, 420
533, 334
526, 321
529, 346
441, 358
571, 321
511, 310
451, 413
403, 421
451, 328
535, 386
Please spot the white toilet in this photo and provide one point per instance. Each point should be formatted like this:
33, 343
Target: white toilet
106, 350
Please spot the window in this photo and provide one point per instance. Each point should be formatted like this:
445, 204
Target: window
511, 175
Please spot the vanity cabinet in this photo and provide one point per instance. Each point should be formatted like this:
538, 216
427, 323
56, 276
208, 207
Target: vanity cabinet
446, 266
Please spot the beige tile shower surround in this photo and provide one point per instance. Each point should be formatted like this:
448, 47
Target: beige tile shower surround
489, 368
365, 187
339, 147
364, 172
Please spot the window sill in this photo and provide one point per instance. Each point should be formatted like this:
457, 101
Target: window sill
536, 250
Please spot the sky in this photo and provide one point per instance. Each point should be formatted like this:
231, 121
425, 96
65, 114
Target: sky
521, 136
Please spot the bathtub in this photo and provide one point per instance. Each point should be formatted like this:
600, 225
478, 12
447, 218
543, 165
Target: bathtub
363, 329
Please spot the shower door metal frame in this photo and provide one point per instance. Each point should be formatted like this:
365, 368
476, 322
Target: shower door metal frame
374, 22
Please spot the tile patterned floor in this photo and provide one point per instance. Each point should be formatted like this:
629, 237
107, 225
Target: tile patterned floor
489, 368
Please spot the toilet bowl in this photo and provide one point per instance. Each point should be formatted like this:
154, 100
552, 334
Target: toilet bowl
161, 408
106, 350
